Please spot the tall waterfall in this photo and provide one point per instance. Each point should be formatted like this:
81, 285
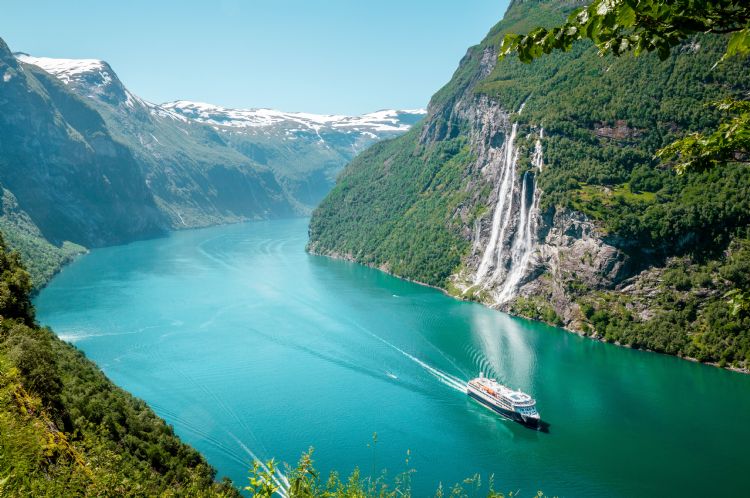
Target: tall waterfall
504, 205
517, 211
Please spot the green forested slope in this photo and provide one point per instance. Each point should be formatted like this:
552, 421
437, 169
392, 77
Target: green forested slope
409, 205
389, 208
66, 430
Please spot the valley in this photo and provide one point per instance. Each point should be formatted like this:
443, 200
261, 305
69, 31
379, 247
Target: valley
251, 348
171, 166
197, 292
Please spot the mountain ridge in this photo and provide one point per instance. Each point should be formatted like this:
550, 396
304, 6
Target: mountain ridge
190, 173
302, 152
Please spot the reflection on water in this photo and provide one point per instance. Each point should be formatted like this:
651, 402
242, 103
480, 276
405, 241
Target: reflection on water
251, 348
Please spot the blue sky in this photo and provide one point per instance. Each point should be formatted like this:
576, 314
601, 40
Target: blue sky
325, 56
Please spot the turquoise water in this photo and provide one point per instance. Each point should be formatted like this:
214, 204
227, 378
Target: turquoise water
249, 346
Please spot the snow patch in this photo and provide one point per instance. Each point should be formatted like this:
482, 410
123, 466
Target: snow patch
67, 69
380, 121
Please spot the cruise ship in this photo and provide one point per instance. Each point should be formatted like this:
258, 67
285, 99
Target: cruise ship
515, 405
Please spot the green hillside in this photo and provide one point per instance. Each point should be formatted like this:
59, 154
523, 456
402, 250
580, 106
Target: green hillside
411, 205
66, 430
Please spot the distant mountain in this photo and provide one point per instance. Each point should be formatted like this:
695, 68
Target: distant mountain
195, 177
305, 151
302, 151
85, 160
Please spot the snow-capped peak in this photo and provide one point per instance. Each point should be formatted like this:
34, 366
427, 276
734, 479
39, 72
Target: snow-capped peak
64, 69
95, 79
384, 120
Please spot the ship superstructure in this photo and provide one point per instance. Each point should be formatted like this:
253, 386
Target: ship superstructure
515, 405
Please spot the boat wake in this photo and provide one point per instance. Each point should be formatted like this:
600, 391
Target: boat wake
444, 377
278, 477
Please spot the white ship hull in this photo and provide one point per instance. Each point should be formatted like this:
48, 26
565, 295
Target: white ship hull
507, 412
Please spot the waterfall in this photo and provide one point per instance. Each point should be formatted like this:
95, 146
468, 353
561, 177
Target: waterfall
503, 207
507, 218
524, 243
537, 159
523, 240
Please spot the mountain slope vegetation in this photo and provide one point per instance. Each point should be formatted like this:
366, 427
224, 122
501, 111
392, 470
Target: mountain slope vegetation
66, 430
613, 226
63, 175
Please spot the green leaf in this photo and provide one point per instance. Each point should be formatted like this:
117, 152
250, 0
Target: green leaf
739, 43
625, 16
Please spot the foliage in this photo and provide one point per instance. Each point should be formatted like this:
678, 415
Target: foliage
394, 216
696, 309
43, 259
15, 286
66, 430
536, 309
620, 26
729, 143
306, 482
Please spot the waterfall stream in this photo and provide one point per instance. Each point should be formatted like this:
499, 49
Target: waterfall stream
503, 206
506, 216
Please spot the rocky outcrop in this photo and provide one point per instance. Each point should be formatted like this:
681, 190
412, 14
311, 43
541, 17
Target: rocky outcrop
516, 250
618, 131
570, 256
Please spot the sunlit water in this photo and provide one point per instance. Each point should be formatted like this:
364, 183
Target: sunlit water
249, 346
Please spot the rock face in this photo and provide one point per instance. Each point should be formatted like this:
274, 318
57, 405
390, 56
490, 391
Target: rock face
516, 249
63, 165
572, 252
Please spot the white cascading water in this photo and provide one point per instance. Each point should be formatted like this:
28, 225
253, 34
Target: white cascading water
504, 204
524, 243
507, 218
537, 160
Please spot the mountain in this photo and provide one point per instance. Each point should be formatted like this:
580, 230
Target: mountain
305, 151
533, 188
84, 162
194, 177
63, 175
212, 144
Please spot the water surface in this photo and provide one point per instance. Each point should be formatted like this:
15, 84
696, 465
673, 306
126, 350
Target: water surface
249, 346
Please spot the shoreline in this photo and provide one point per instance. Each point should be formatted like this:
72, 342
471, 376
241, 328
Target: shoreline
349, 258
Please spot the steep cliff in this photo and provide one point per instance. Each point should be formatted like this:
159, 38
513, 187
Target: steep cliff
61, 163
195, 178
533, 189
